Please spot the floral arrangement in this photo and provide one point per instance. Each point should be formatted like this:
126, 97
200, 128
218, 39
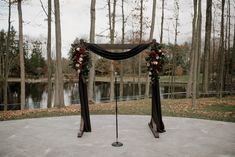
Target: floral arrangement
155, 61
81, 62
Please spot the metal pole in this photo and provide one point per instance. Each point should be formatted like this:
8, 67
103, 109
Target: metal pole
116, 144
116, 108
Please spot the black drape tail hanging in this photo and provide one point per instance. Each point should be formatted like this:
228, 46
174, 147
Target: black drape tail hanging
84, 104
156, 106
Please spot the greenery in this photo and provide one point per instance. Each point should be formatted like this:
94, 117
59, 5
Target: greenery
35, 63
207, 108
13, 62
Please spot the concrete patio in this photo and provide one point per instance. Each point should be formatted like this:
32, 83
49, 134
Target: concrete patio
57, 137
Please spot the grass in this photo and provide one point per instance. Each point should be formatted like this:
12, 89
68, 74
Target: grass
207, 108
220, 108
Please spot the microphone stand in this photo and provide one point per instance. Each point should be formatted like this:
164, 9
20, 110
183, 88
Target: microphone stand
117, 143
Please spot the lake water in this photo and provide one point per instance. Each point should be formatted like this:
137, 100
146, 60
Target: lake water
36, 94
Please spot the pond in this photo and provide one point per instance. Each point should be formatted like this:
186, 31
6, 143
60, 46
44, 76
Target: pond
36, 94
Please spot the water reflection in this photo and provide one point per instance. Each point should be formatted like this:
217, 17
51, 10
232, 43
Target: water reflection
39, 99
36, 93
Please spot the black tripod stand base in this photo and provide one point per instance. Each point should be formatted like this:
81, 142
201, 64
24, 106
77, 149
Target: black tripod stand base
117, 144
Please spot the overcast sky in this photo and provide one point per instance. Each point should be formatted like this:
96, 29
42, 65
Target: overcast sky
75, 20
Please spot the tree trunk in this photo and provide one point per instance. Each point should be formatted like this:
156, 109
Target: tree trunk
150, 39
153, 20
112, 31
190, 80
1, 67
232, 66
6, 73
21, 52
220, 73
162, 21
176, 20
195, 53
110, 19
49, 99
173, 58
212, 56
207, 46
123, 37
141, 32
93, 58
59, 84
198, 65
226, 51
227, 73
229, 45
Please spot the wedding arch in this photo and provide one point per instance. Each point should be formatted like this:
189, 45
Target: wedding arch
155, 61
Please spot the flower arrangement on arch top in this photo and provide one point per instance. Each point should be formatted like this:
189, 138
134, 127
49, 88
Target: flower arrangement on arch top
81, 62
155, 61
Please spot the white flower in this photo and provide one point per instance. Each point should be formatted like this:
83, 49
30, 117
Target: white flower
77, 65
81, 59
157, 57
160, 50
78, 71
150, 73
154, 62
78, 49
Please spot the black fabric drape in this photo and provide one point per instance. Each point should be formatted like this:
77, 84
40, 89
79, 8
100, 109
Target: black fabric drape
156, 106
116, 55
84, 104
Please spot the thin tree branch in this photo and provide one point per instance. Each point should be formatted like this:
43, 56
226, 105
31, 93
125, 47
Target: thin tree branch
43, 8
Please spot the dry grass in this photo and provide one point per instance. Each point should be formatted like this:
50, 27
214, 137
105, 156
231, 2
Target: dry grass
207, 108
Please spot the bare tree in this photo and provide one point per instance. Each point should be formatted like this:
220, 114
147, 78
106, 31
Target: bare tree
153, 20
229, 40
232, 65
112, 22
212, 55
21, 52
140, 40
162, 21
189, 85
176, 20
49, 64
59, 84
49, 98
150, 38
172, 80
195, 52
123, 38
207, 46
93, 58
227, 73
6, 72
196, 67
220, 82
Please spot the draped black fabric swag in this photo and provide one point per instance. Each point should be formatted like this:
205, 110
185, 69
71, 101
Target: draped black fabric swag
156, 106
116, 55
84, 104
